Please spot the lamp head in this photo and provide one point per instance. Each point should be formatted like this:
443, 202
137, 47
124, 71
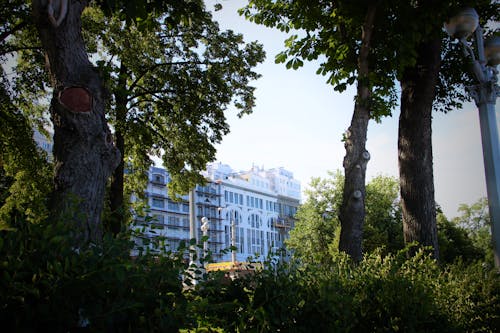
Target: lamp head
463, 24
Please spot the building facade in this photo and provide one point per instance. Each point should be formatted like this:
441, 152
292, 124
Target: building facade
260, 205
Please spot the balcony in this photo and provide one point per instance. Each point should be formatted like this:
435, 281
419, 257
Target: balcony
282, 223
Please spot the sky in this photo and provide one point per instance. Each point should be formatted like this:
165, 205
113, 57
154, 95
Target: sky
299, 119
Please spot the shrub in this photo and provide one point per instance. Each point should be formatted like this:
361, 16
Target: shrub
47, 285
380, 294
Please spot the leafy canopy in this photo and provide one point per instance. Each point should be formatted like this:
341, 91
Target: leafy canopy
330, 31
315, 236
170, 101
171, 75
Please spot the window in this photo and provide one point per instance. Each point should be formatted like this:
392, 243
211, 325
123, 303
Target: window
254, 221
158, 218
157, 202
240, 238
173, 244
185, 208
227, 235
157, 178
255, 239
173, 221
173, 205
273, 241
233, 215
231, 199
255, 236
241, 199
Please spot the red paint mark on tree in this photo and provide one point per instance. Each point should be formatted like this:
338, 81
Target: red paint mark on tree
76, 99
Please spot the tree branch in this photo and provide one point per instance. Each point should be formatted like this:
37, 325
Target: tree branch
155, 132
17, 27
149, 92
20, 48
152, 68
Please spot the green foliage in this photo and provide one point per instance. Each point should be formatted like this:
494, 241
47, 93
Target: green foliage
25, 181
455, 242
474, 217
138, 11
380, 294
383, 224
455, 72
47, 285
332, 32
25, 172
315, 236
170, 72
18, 12
171, 76
475, 220
469, 294
170, 101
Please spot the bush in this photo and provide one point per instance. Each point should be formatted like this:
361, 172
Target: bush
46, 285
381, 294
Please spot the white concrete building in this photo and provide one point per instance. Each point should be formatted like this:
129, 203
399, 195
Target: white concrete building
261, 204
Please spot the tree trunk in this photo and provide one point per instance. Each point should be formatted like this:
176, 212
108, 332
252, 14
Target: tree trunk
116, 195
84, 154
415, 147
352, 211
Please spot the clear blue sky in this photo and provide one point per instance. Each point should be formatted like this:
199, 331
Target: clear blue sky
299, 120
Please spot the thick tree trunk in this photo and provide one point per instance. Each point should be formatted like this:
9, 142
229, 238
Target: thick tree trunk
415, 147
352, 211
84, 154
116, 195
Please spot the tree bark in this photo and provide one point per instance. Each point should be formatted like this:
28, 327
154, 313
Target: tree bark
352, 211
84, 153
116, 195
415, 147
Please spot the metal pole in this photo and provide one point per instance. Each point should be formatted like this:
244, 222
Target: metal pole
233, 241
491, 155
192, 224
485, 94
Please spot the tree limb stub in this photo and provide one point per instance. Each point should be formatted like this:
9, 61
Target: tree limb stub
76, 99
56, 17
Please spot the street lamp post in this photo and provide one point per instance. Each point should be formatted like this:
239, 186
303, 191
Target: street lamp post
192, 225
233, 240
484, 93
232, 224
